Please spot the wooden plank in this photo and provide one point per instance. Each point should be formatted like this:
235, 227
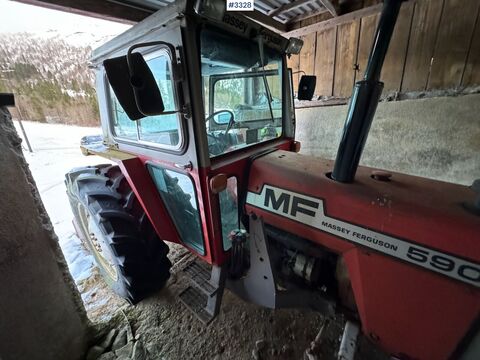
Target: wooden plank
307, 55
308, 16
367, 34
393, 66
471, 76
294, 63
346, 54
325, 62
347, 18
265, 20
421, 45
453, 41
308, 19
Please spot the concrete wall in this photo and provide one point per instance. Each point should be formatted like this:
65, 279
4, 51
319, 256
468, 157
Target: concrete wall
41, 313
437, 138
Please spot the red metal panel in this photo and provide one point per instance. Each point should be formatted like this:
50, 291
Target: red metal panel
147, 194
406, 308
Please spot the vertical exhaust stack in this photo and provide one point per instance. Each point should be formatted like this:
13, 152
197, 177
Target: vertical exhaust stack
365, 98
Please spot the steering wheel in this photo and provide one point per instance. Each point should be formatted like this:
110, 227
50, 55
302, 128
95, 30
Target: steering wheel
230, 122
219, 142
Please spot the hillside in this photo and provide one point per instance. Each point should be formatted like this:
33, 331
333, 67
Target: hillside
50, 79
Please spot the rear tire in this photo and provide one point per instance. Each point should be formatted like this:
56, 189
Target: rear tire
131, 258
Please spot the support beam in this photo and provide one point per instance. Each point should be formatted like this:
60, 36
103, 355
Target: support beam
298, 18
265, 20
99, 9
335, 21
287, 7
330, 7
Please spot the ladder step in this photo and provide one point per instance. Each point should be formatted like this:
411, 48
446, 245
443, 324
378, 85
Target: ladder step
196, 301
200, 278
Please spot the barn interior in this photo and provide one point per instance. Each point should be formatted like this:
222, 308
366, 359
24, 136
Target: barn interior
427, 124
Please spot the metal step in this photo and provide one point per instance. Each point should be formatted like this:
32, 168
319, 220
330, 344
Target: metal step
200, 278
196, 301
204, 297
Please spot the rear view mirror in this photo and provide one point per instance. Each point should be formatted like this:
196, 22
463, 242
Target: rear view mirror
306, 88
133, 83
145, 89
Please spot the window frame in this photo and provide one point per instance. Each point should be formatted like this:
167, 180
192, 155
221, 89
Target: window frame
245, 75
178, 148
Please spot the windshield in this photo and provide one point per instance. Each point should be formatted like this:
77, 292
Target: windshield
242, 95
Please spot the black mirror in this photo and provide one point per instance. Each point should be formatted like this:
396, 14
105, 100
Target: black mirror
133, 83
147, 94
306, 88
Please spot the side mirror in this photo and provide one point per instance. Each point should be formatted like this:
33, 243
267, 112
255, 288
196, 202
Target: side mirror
133, 83
306, 88
145, 89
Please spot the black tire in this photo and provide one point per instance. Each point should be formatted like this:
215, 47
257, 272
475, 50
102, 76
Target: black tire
131, 258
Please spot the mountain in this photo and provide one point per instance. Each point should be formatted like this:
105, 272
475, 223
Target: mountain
50, 79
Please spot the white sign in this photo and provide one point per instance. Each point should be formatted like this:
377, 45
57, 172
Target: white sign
240, 5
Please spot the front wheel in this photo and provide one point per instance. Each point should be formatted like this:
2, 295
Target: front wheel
113, 225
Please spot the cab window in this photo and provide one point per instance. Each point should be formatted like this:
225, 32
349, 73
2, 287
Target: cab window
242, 91
161, 129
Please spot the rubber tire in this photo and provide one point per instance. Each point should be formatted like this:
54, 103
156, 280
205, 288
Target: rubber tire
138, 255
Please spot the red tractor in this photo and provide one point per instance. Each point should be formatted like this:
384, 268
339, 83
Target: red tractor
197, 111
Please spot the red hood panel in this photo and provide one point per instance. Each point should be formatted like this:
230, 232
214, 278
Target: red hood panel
423, 211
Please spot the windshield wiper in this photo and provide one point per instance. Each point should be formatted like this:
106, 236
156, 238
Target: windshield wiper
265, 82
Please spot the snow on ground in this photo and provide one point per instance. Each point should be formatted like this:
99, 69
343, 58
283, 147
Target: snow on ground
55, 151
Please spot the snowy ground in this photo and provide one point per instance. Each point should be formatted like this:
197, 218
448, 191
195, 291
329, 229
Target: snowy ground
161, 323
56, 151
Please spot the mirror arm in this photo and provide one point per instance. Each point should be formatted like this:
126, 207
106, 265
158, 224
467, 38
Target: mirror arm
152, 43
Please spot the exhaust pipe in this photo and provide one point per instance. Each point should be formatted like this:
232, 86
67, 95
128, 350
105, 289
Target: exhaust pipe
365, 98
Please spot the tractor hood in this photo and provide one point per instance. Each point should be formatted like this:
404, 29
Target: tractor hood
392, 216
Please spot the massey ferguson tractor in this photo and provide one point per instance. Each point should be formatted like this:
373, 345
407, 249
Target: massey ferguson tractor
197, 112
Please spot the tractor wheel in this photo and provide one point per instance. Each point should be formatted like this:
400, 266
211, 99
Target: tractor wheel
132, 259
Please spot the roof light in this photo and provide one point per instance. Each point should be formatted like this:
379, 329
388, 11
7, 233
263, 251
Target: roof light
214, 9
294, 46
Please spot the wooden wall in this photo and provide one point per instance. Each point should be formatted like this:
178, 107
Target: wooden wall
435, 45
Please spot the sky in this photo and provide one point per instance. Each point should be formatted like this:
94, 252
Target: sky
75, 29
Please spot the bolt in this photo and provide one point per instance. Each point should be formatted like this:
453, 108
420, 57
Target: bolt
380, 175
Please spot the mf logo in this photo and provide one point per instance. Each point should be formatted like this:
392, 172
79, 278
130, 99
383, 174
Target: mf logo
290, 204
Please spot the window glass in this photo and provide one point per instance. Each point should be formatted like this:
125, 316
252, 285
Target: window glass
229, 211
178, 194
161, 129
124, 127
242, 91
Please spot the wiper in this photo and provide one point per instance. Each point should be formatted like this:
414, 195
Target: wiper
265, 82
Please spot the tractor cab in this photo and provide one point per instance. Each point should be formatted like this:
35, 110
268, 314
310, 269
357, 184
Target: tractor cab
193, 92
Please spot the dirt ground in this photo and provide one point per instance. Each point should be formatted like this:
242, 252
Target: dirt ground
162, 324
241, 331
